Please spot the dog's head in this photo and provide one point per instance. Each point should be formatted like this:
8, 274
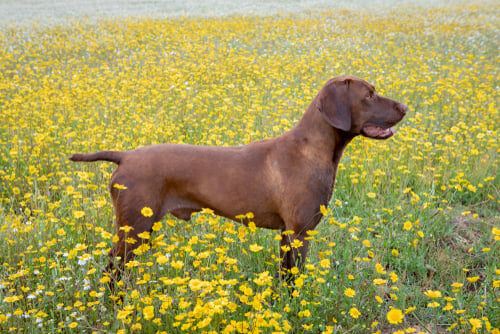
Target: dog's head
351, 104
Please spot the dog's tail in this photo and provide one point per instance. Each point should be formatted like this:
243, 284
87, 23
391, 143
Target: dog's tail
112, 156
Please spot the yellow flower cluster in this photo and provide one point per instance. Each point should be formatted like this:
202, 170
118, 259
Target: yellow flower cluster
412, 234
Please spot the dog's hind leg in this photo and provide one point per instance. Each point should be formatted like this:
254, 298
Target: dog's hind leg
131, 221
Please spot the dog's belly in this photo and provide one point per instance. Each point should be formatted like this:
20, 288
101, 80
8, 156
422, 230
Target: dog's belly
269, 220
183, 208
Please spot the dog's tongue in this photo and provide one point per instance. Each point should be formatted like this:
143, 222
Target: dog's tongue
377, 132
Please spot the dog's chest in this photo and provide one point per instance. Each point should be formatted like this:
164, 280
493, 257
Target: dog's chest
320, 183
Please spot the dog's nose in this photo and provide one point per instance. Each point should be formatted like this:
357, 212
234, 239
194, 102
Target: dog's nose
401, 108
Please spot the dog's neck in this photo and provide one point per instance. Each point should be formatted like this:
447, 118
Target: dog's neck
322, 137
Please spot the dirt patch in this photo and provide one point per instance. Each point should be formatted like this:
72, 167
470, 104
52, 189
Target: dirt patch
466, 233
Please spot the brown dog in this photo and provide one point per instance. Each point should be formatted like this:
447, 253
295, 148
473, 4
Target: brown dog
283, 181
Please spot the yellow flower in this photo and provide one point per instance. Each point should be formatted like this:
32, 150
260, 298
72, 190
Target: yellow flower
119, 186
204, 323
136, 327
251, 226
148, 312
105, 279
134, 294
207, 211
299, 282
450, 328
122, 314
324, 210
296, 243
410, 309
325, 263
433, 304
395, 316
448, 307
306, 313
157, 226
349, 292
126, 228
177, 264
263, 279
11, 299
379, 281
78, 214
146, 211
130, 241
407, 225
353, 312
475, 323
162, 259
255, 248
433, 293
196, 284
307, 327
371, 195
144, 235
473, 279
380, 268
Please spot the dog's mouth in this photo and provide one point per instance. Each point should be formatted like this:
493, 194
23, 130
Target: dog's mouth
376, 132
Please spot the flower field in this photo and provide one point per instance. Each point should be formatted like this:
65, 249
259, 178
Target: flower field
409, 243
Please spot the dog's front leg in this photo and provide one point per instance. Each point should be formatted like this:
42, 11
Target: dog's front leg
293, 252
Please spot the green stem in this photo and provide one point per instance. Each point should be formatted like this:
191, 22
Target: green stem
435, 320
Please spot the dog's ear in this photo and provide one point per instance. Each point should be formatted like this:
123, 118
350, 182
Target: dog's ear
335, 106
